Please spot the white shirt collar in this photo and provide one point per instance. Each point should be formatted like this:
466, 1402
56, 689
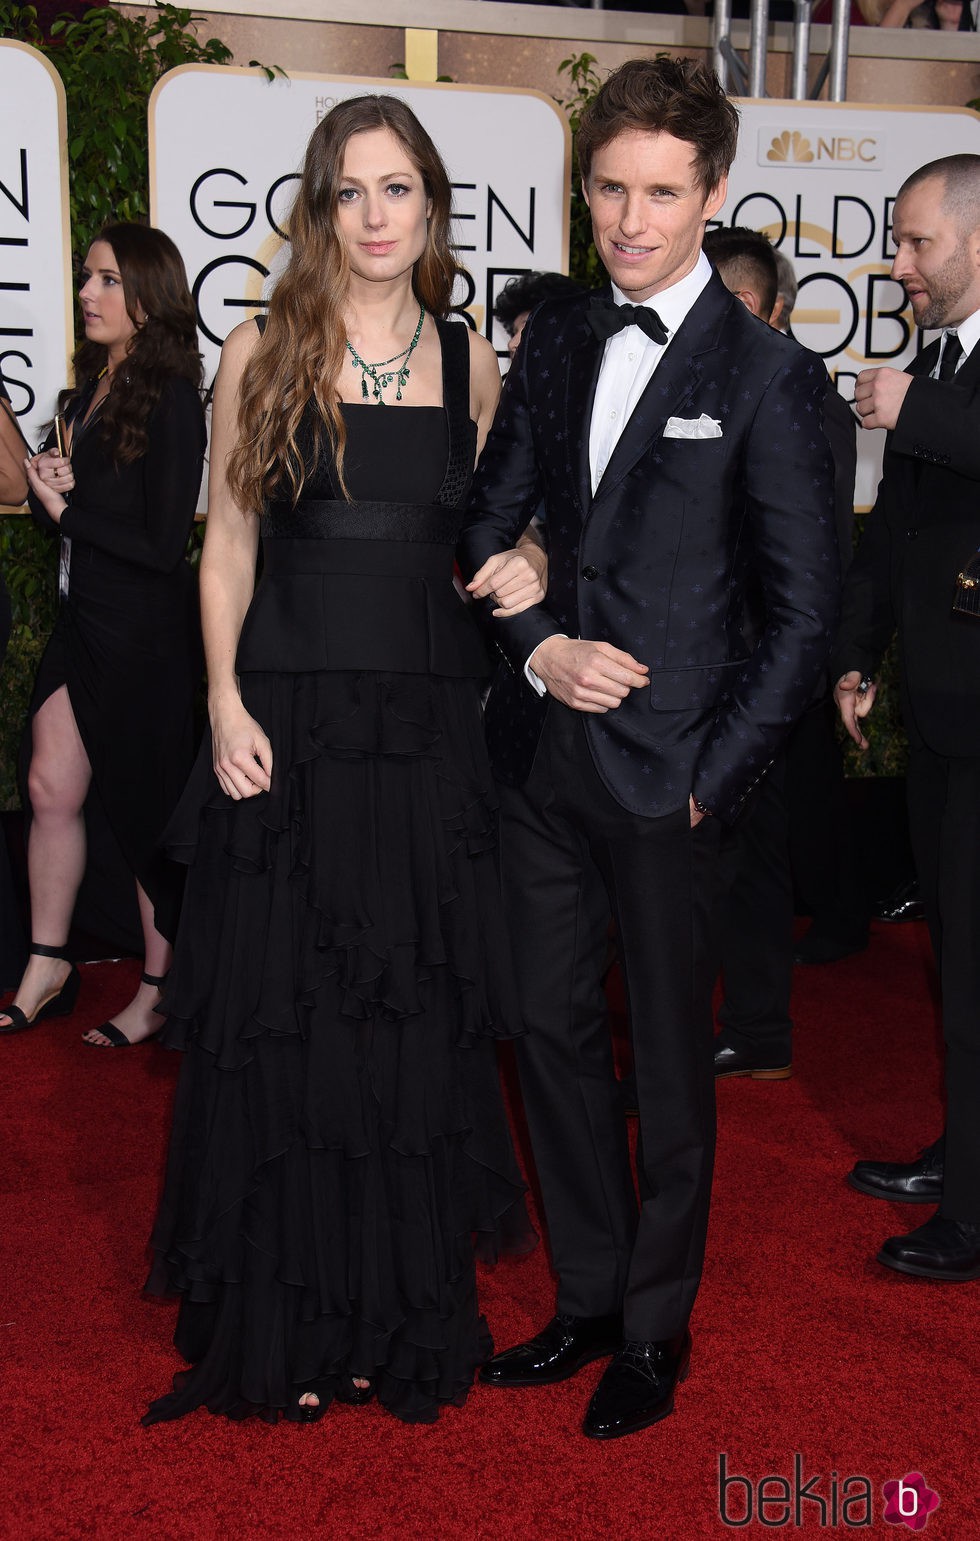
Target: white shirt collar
673, 304
968, 333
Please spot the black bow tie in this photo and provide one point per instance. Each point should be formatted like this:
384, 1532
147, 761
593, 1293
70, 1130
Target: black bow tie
606, 318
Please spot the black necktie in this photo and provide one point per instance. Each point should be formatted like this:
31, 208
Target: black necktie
606, 318
952, 353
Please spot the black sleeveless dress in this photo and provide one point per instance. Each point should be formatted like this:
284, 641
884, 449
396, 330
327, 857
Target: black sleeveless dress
127, 644
340, 1152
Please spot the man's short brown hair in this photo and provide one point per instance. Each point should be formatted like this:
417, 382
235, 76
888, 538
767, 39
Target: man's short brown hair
664, 96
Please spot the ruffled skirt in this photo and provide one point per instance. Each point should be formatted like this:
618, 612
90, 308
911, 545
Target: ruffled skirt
340, 1153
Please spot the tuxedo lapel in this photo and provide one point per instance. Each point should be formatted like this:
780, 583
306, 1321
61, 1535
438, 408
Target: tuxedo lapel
967, 375
585, 352
674, 382
925, 362
969, 371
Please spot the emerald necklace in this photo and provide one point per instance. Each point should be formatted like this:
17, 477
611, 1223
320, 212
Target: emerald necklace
380, 374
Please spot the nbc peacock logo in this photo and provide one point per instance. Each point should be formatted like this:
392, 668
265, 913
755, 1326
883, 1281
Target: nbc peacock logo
790, 147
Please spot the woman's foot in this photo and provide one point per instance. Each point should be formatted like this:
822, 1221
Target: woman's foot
44, 978
136, 1022
309, 1402
354, 1390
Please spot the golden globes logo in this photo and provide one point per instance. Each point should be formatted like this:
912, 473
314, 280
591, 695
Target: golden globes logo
788, 146
793, 147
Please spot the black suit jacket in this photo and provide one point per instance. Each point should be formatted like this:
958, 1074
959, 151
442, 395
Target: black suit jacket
655, 561
923, 527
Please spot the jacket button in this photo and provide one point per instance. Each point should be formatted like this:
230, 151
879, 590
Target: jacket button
590, 573
912, 534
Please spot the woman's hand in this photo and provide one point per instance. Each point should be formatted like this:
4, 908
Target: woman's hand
50, 478
242, 752
516, 579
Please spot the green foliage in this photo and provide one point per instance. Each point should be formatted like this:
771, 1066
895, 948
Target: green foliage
109, 63
583, 81
888, 751
28, 560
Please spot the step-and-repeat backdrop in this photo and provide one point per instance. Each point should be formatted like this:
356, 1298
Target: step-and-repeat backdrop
35, 249
820, 179
226, 147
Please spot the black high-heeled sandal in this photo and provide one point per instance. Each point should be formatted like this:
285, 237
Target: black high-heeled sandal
61, 1004
117, 1038
312, 1412
351, 1395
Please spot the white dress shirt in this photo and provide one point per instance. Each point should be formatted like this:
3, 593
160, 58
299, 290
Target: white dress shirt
968, 333
628, 363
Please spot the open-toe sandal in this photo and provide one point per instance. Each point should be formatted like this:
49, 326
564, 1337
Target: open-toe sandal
117, 1038
351, 1395
60, 1004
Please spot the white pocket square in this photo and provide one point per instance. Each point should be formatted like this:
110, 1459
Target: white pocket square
692, 428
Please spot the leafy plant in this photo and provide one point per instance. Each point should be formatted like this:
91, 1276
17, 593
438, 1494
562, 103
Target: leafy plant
583, 81
109, 63
28, 564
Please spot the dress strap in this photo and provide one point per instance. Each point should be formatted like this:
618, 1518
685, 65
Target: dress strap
455, 345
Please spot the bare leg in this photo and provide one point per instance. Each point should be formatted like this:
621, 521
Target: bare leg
140, 1019
58, 783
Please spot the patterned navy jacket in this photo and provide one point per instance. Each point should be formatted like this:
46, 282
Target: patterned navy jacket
655, 561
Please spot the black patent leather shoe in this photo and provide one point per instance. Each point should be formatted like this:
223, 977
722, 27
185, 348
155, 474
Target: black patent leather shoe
637, 1388
940, 1249
910, 1182
904, 904
558, 1352
759, 1063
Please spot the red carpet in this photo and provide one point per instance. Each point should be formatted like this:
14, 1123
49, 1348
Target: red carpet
802, 1343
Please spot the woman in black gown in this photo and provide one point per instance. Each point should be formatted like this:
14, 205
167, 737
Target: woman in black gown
112, 713
341, 971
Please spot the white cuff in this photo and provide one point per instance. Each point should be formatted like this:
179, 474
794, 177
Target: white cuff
536, 683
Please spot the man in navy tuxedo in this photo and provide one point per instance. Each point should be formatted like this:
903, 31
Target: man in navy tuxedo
676, 442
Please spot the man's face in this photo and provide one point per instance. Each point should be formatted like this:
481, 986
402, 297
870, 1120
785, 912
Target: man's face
648, 210
936, 260
515, 336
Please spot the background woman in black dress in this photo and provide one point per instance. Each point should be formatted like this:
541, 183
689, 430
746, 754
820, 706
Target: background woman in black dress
112, 715
342, 968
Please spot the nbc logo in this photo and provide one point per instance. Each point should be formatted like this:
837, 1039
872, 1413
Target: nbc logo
810, 146
793, 147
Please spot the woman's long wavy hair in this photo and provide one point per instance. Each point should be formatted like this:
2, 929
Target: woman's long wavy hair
299, 356
164, 344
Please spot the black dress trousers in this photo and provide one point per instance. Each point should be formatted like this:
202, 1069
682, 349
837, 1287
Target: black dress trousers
571, 855
944, 821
